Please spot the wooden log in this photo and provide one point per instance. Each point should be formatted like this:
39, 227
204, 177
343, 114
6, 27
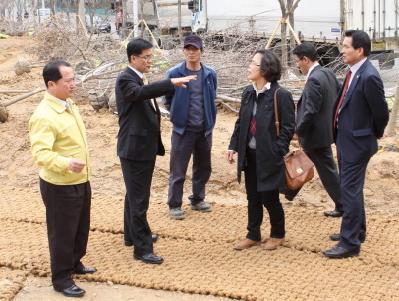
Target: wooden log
23, 96
227, 98
228, 107
3, 114
3, 110
11, 91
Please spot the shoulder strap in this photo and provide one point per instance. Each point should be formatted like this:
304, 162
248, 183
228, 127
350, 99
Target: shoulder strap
277, 120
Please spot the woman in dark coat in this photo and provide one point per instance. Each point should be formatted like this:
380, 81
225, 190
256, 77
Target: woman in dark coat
260, 150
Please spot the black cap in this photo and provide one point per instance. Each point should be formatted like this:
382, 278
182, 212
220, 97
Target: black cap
193, 40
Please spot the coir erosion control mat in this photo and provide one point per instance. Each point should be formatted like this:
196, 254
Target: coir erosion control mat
199, 257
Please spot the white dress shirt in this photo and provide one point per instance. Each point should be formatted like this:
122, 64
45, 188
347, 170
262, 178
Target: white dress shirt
141, 75
355, 68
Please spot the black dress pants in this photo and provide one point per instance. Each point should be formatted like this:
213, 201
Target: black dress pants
327, 169
258, 199
68, 225
137, 176
353, 226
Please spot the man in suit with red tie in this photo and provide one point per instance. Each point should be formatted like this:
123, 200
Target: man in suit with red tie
139, 142
360, 117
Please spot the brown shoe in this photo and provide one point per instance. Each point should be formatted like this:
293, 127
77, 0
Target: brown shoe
273, 243
245, 244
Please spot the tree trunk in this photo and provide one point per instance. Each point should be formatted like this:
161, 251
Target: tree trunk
52, 7
68, 10
287, 12
142, 17
81, 16
283, 32
33, 9
124, 18
19, 5
394, 114
290, 15
284, 48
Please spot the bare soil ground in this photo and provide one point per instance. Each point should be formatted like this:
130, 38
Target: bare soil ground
197, 251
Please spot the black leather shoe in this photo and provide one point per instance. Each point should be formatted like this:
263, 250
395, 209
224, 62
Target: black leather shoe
149, 258
85, 270
338, 252
337, 236
333, 213
154, 237
72, 291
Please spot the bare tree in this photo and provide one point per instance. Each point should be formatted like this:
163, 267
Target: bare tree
32, 8
80, 17
10, 8
3, 6
20, 7
52, 7
287, 12
67, 5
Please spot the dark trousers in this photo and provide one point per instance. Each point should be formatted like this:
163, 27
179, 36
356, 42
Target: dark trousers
68, 225
258, 199
327, 169
183, 146
353, 226
137, 176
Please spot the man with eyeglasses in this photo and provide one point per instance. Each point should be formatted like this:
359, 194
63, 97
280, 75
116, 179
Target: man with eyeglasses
193, 114
139, 142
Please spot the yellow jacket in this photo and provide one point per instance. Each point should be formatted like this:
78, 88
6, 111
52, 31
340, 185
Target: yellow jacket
58, 134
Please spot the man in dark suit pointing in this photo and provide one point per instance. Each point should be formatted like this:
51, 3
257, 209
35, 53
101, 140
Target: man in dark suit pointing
139, 142
313, 128
360, 117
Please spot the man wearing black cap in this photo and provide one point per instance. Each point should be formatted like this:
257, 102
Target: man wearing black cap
193, 114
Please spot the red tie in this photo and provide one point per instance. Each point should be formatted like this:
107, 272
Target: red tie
252, 126
341, 100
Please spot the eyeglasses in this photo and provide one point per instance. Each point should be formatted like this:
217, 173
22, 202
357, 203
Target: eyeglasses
146, 57
254, 63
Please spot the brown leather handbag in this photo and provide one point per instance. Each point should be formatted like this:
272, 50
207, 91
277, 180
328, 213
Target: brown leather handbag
299, 169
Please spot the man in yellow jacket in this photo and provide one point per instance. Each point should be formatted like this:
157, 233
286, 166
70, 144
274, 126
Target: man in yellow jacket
59, 147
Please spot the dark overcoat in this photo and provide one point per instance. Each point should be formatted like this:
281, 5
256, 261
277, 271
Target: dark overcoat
270, 148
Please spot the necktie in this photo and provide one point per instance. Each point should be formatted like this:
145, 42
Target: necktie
341, 99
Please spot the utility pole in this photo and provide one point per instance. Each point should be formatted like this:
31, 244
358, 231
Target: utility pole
179, 20
342, 16
124, 15
135, 17
396, 17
